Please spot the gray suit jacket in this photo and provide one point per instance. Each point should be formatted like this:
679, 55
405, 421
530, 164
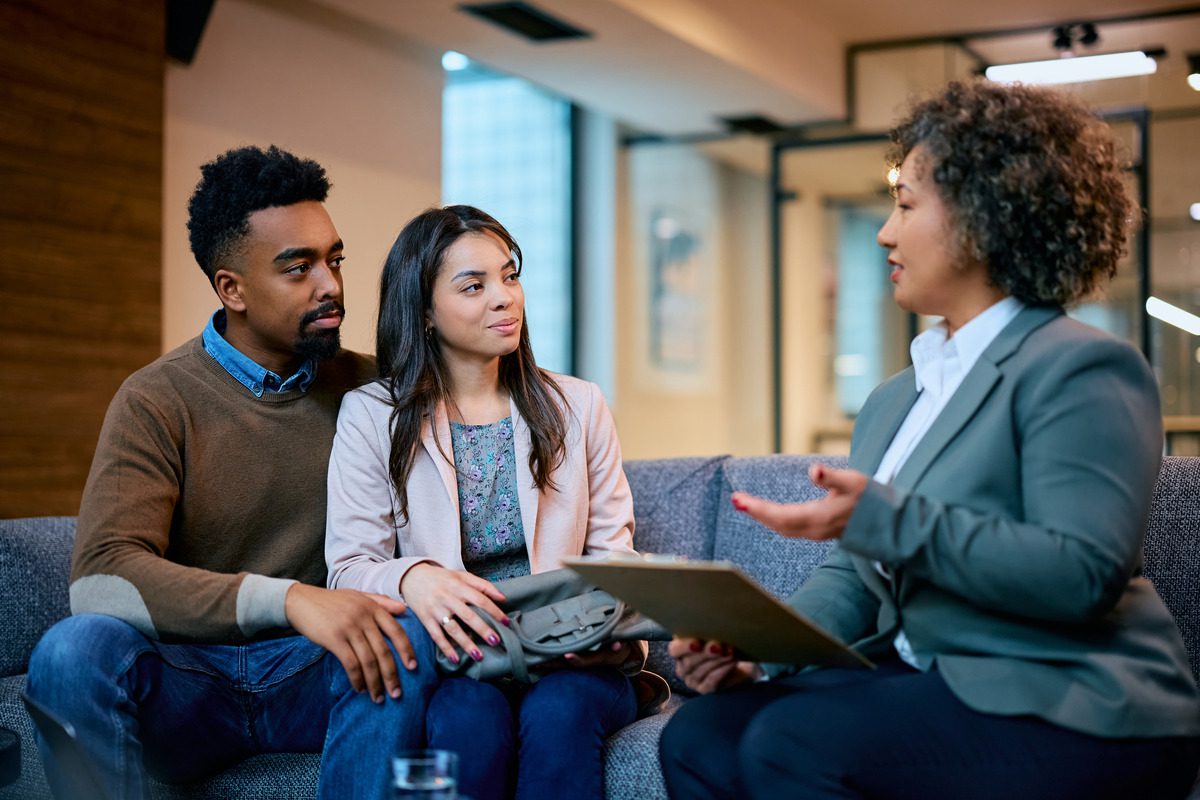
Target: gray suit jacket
1014, 533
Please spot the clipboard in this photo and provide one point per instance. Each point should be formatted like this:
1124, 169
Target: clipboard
716, 600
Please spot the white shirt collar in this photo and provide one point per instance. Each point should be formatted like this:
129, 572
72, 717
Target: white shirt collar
932, 349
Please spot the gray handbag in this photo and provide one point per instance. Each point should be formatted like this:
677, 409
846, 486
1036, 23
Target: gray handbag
551, 614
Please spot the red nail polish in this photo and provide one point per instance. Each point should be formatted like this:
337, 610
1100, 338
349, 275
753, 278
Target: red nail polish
715, 649
695, 647
493, 640
506, 621
478, 656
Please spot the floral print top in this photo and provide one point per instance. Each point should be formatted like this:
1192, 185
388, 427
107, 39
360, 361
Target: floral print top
490, 513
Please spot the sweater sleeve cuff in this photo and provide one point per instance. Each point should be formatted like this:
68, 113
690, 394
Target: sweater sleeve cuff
260, 603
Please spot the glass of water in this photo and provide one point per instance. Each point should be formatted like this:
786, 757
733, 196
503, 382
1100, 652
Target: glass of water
425, 775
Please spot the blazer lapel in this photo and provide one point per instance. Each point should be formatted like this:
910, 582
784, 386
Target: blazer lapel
971, 394
874, 432
527, 494
436, 430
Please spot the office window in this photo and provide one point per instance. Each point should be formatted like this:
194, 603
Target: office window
506, 148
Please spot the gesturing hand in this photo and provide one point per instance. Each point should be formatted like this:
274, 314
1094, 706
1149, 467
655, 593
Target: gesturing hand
817, 519
705, 667
441, 599
353, 625
612, 654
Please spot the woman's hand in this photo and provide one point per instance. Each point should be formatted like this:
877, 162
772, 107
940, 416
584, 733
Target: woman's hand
613, 654
441, 599
818, 520
705, 667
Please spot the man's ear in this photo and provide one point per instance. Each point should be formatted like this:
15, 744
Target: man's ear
228, 285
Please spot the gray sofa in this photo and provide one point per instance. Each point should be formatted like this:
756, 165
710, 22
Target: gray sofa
682, 507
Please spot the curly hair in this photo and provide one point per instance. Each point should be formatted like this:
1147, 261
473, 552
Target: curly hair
1033, 183
236, 184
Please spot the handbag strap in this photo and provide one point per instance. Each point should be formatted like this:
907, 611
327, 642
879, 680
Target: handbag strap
512, 646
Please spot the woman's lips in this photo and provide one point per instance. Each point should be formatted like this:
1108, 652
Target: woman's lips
506, 326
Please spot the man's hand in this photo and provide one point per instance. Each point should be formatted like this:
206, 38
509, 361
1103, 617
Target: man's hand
818, 520
705, 667
353, 625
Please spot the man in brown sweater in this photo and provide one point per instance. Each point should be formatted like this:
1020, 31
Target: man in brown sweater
199, 553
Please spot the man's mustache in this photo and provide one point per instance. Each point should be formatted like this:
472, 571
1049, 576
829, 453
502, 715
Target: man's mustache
324, 310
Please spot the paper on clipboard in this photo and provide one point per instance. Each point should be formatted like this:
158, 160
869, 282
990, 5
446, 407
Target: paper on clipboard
716, 600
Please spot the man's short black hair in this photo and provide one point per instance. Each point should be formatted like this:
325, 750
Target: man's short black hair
235, 185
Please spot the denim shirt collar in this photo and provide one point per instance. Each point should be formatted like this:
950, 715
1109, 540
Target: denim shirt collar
254, 377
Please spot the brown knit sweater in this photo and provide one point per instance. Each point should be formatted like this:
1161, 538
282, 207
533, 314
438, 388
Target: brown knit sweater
205, 502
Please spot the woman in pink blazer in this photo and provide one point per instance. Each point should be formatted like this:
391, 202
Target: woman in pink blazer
466, 463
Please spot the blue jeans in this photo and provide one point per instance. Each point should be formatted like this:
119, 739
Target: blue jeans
183, 711
555, 728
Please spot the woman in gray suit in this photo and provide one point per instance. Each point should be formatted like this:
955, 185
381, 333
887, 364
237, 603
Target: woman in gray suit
989, 530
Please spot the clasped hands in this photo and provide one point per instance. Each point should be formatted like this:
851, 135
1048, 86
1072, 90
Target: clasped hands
707, 666
443, 598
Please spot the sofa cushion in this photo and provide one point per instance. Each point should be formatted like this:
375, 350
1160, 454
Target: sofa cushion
779, 564
631, 766
31, 784
35, 557
674, 502
1172, 548
274, 776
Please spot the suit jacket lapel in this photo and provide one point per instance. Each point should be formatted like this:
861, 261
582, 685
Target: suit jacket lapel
527, 494
971, 394
436, 430
874, 432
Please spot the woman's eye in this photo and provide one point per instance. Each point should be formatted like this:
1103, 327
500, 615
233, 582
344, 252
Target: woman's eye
513, 277
472, 288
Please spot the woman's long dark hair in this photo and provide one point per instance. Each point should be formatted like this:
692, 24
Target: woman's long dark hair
410, 358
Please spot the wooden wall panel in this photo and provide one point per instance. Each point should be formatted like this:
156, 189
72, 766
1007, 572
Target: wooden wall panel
81, 149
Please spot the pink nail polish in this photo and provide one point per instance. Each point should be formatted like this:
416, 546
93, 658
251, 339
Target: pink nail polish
493, 640
454, 658
506, 621
478, 656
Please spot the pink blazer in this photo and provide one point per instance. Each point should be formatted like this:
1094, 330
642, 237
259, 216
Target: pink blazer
366, 547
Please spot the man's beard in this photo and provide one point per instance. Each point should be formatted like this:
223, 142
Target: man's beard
319, 343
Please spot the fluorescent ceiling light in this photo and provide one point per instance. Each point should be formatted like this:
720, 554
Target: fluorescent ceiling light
1076, 69
1173, 315
453, 61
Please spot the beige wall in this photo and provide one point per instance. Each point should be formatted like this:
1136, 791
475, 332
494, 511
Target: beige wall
721, 402
365, 106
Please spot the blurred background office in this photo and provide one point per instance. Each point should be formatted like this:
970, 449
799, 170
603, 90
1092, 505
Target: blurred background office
696, 185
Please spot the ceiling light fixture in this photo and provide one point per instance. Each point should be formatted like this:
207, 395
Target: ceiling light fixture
1173, 315
1077, 69
454, 61
1193, 77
